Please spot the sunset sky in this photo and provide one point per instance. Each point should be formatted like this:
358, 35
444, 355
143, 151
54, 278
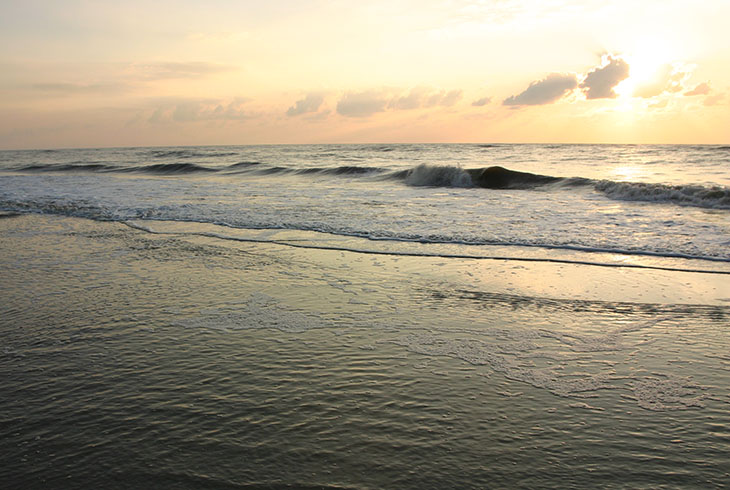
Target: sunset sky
79, 73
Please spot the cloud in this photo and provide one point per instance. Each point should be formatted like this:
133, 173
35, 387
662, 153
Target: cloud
714, 99
447, 99
546, 91
310, 103
421, 97
362, 104
413, 100
599, 83
172, 70
701, 89
670, 78
193, 110
481, 102
62, 89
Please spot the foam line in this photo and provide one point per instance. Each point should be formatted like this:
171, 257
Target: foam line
425, 255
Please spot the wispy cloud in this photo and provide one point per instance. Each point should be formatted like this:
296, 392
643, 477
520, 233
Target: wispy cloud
700, 89
716, 99
421, 97
669, 78
367, 103
62, 89
173, 70
545, 91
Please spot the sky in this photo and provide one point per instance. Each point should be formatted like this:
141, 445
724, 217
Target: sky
83, 73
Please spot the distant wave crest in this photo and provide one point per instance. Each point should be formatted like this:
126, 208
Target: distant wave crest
178, 153
690, 195
170, 169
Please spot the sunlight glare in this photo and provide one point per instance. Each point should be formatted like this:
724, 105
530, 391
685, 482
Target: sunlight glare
645, 65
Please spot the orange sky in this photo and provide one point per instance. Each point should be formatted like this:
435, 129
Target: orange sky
85, 74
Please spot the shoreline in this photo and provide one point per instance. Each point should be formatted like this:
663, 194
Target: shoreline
549, 273
240, 363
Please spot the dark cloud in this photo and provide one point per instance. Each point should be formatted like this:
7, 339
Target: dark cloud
545, 91
362, 104
701, 89
310, 103
481, 102
599, 83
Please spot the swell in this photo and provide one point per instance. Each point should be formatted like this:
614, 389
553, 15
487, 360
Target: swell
169, 169
70, 167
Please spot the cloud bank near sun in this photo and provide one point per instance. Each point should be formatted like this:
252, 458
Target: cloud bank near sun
76, 73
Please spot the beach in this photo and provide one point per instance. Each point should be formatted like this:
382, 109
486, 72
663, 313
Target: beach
158, 354
411, 245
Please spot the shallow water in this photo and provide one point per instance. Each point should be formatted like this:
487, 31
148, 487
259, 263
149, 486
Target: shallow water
134, 359
657, 200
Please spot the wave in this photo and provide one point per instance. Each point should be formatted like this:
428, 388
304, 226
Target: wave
187, 154
169, 169
689, 195
245, 164
82, 208
425, 175
488, 178
158, 168
714, 197
436, 176
342, 170
71, 167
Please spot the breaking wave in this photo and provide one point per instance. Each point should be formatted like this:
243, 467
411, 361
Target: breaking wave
714, 197
689, 195
436, 176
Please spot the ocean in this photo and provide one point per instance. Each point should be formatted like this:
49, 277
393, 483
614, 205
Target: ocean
365, 316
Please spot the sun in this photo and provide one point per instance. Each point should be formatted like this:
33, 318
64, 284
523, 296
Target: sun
647, 63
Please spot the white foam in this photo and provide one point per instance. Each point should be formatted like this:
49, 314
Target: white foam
438, 176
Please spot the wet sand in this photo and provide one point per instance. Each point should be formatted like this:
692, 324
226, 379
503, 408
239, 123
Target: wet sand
178, 360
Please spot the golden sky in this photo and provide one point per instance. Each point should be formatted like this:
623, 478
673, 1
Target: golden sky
82, 73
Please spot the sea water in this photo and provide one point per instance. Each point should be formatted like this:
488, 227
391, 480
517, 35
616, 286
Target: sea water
365, 316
